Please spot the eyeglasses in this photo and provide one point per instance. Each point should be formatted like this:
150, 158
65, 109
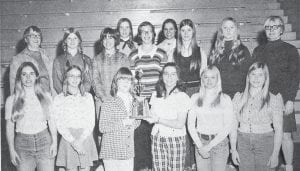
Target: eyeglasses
34, 36
171, 74
274, 27
74, 76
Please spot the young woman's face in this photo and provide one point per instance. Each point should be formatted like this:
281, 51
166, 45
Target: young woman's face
73, 78
210, 79
109, 42
257, 78
72, 41
147, 34
170, 77
124, 85
169, 31
33, 39
186, 33
273, 30
124, 30
28, 77
229, 30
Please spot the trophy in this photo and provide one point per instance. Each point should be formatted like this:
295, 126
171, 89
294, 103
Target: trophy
140, 105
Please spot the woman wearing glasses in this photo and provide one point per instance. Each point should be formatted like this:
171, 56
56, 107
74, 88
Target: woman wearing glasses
35, 54
282, 59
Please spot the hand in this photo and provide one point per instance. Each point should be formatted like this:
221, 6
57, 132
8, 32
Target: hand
235, 157
78, 146
203, 153
152, 119
14, 157
128, 122
53, 149
289, 107
273, 161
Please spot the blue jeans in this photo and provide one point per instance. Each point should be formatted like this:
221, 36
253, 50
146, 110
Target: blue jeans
218, 157
34, 151
255, 150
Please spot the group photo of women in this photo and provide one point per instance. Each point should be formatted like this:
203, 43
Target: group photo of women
222, 109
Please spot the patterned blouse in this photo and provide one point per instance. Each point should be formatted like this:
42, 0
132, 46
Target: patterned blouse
74, 111
117, 140
253, 118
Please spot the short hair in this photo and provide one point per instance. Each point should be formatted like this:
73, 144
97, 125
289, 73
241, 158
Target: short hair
123, 72
274, 19
145, 23
65, 82
33, 28
66, 35
109, 32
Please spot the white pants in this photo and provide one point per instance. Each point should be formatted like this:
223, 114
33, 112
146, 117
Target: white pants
117, 165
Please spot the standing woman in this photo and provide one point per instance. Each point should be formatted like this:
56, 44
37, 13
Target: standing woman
191, 61
73, 55
169, 108
75, 119
124, 28
117, 147
283, 61
210, 121
28, 116
231, 57
106, 65
259, 117
167, 38
148, 59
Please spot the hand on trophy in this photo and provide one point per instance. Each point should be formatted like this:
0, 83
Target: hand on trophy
153, 118
128, 122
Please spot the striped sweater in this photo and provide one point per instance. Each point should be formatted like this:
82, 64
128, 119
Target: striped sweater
150, 64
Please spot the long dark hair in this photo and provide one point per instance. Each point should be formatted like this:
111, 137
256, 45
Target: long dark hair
160, 87
161, 35
109, 32
196, 55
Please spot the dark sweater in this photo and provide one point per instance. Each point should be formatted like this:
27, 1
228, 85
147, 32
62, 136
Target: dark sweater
233, 74
283, 62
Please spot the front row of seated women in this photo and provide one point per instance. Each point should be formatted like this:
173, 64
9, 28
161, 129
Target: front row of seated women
210, 114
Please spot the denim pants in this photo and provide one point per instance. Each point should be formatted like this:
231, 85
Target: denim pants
34, 151
218, 157
255, 150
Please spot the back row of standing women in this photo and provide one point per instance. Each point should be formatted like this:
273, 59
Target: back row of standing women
257, 91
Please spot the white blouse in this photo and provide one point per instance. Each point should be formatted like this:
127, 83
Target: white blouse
74, 111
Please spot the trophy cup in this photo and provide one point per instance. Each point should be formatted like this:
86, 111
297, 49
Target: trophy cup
141, 105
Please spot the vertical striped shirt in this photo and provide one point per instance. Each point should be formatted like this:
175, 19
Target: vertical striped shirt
150, 64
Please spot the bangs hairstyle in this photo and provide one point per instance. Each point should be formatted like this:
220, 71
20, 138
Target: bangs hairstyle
217, 51
139, 36
107, 32
34, 29
265, 95
160, 86
218, 88
196, 55
161, 35
19, 94
275, 19
122, 20
122, 73
65, 82
66, 35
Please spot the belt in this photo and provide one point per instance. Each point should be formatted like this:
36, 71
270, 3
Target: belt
207, 137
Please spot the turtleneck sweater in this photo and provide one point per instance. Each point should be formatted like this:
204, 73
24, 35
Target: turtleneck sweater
283, 62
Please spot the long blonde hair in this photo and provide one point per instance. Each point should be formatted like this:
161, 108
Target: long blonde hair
218, 88
265, 95
19, 94
217, 51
